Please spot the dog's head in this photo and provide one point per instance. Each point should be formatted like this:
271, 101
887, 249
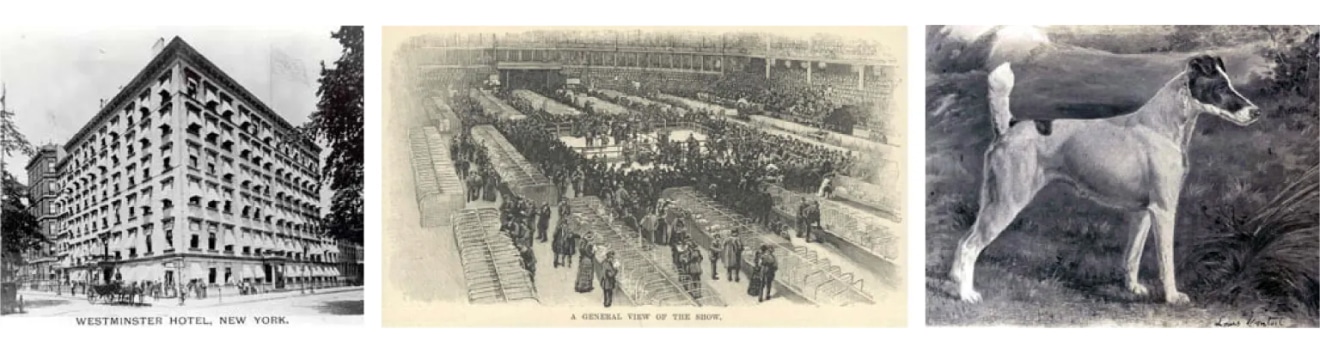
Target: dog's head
1210, 88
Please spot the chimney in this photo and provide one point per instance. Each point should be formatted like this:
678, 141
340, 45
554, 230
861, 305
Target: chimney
158, 46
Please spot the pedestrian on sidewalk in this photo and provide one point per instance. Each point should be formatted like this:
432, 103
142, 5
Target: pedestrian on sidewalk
182, 292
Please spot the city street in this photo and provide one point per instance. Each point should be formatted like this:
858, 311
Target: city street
339, 301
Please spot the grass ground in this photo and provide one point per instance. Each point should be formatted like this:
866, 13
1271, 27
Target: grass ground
1058, 264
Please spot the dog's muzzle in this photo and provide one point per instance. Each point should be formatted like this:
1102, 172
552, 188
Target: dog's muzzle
1247, 116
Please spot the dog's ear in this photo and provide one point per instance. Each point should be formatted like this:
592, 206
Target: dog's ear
1203, 65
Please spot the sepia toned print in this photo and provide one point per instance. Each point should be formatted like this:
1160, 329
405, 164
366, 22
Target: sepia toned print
174, 180
1122, 176
643, 177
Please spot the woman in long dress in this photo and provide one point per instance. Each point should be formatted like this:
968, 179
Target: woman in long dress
586, 267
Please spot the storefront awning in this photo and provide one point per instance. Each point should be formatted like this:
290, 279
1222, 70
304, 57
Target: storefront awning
195, 272
230, 239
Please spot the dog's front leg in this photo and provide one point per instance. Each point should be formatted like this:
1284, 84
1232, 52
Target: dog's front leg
1138, 224
1163, 218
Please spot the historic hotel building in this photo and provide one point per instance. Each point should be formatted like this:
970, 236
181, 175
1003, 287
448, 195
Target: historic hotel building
186, 176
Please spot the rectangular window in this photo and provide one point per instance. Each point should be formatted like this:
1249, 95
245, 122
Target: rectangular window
196, 241
210, 278
210, 242
228, 274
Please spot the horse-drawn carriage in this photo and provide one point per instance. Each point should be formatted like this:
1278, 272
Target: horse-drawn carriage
110, 290
115, 292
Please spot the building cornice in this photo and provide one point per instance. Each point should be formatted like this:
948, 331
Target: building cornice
178, 48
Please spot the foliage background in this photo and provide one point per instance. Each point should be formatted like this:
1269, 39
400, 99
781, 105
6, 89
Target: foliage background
1246, 230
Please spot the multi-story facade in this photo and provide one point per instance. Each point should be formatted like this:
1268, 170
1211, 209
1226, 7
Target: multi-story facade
185, 176
43, 189
350, 262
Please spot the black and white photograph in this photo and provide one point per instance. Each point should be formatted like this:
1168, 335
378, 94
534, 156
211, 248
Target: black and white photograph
1147, 176
194, 176
666, 176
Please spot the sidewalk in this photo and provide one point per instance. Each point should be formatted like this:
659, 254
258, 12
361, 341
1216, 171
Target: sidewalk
214, 300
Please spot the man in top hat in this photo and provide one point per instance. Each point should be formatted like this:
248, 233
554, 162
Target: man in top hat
733, 249
608, 278
768, 266
716, 246
694, 268
802, 230
543, 221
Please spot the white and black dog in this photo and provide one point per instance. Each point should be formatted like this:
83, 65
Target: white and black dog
1135, 162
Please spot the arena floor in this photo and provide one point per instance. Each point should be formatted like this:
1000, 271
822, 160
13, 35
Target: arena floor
613, 153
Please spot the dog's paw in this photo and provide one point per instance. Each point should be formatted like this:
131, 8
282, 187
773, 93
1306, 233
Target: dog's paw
1138, 289
969, 296
1176, 297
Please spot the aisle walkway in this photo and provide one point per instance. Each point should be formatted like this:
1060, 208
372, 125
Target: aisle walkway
733, 294
555, 286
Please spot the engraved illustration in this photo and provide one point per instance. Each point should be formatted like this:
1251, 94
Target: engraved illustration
578, 174
182, 173
1058, 155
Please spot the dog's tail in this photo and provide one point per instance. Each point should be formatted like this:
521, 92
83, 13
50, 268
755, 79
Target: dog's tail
1001, 85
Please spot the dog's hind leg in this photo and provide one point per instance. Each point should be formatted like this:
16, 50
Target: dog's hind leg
1138, 227
1008, 186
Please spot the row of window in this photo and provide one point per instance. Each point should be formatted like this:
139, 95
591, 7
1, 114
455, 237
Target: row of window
108, 135
255, 148
216, 163
214, 99
288, 211
250, 244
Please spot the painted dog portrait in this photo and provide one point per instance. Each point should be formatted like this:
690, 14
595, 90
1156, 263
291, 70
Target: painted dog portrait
1057, 155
